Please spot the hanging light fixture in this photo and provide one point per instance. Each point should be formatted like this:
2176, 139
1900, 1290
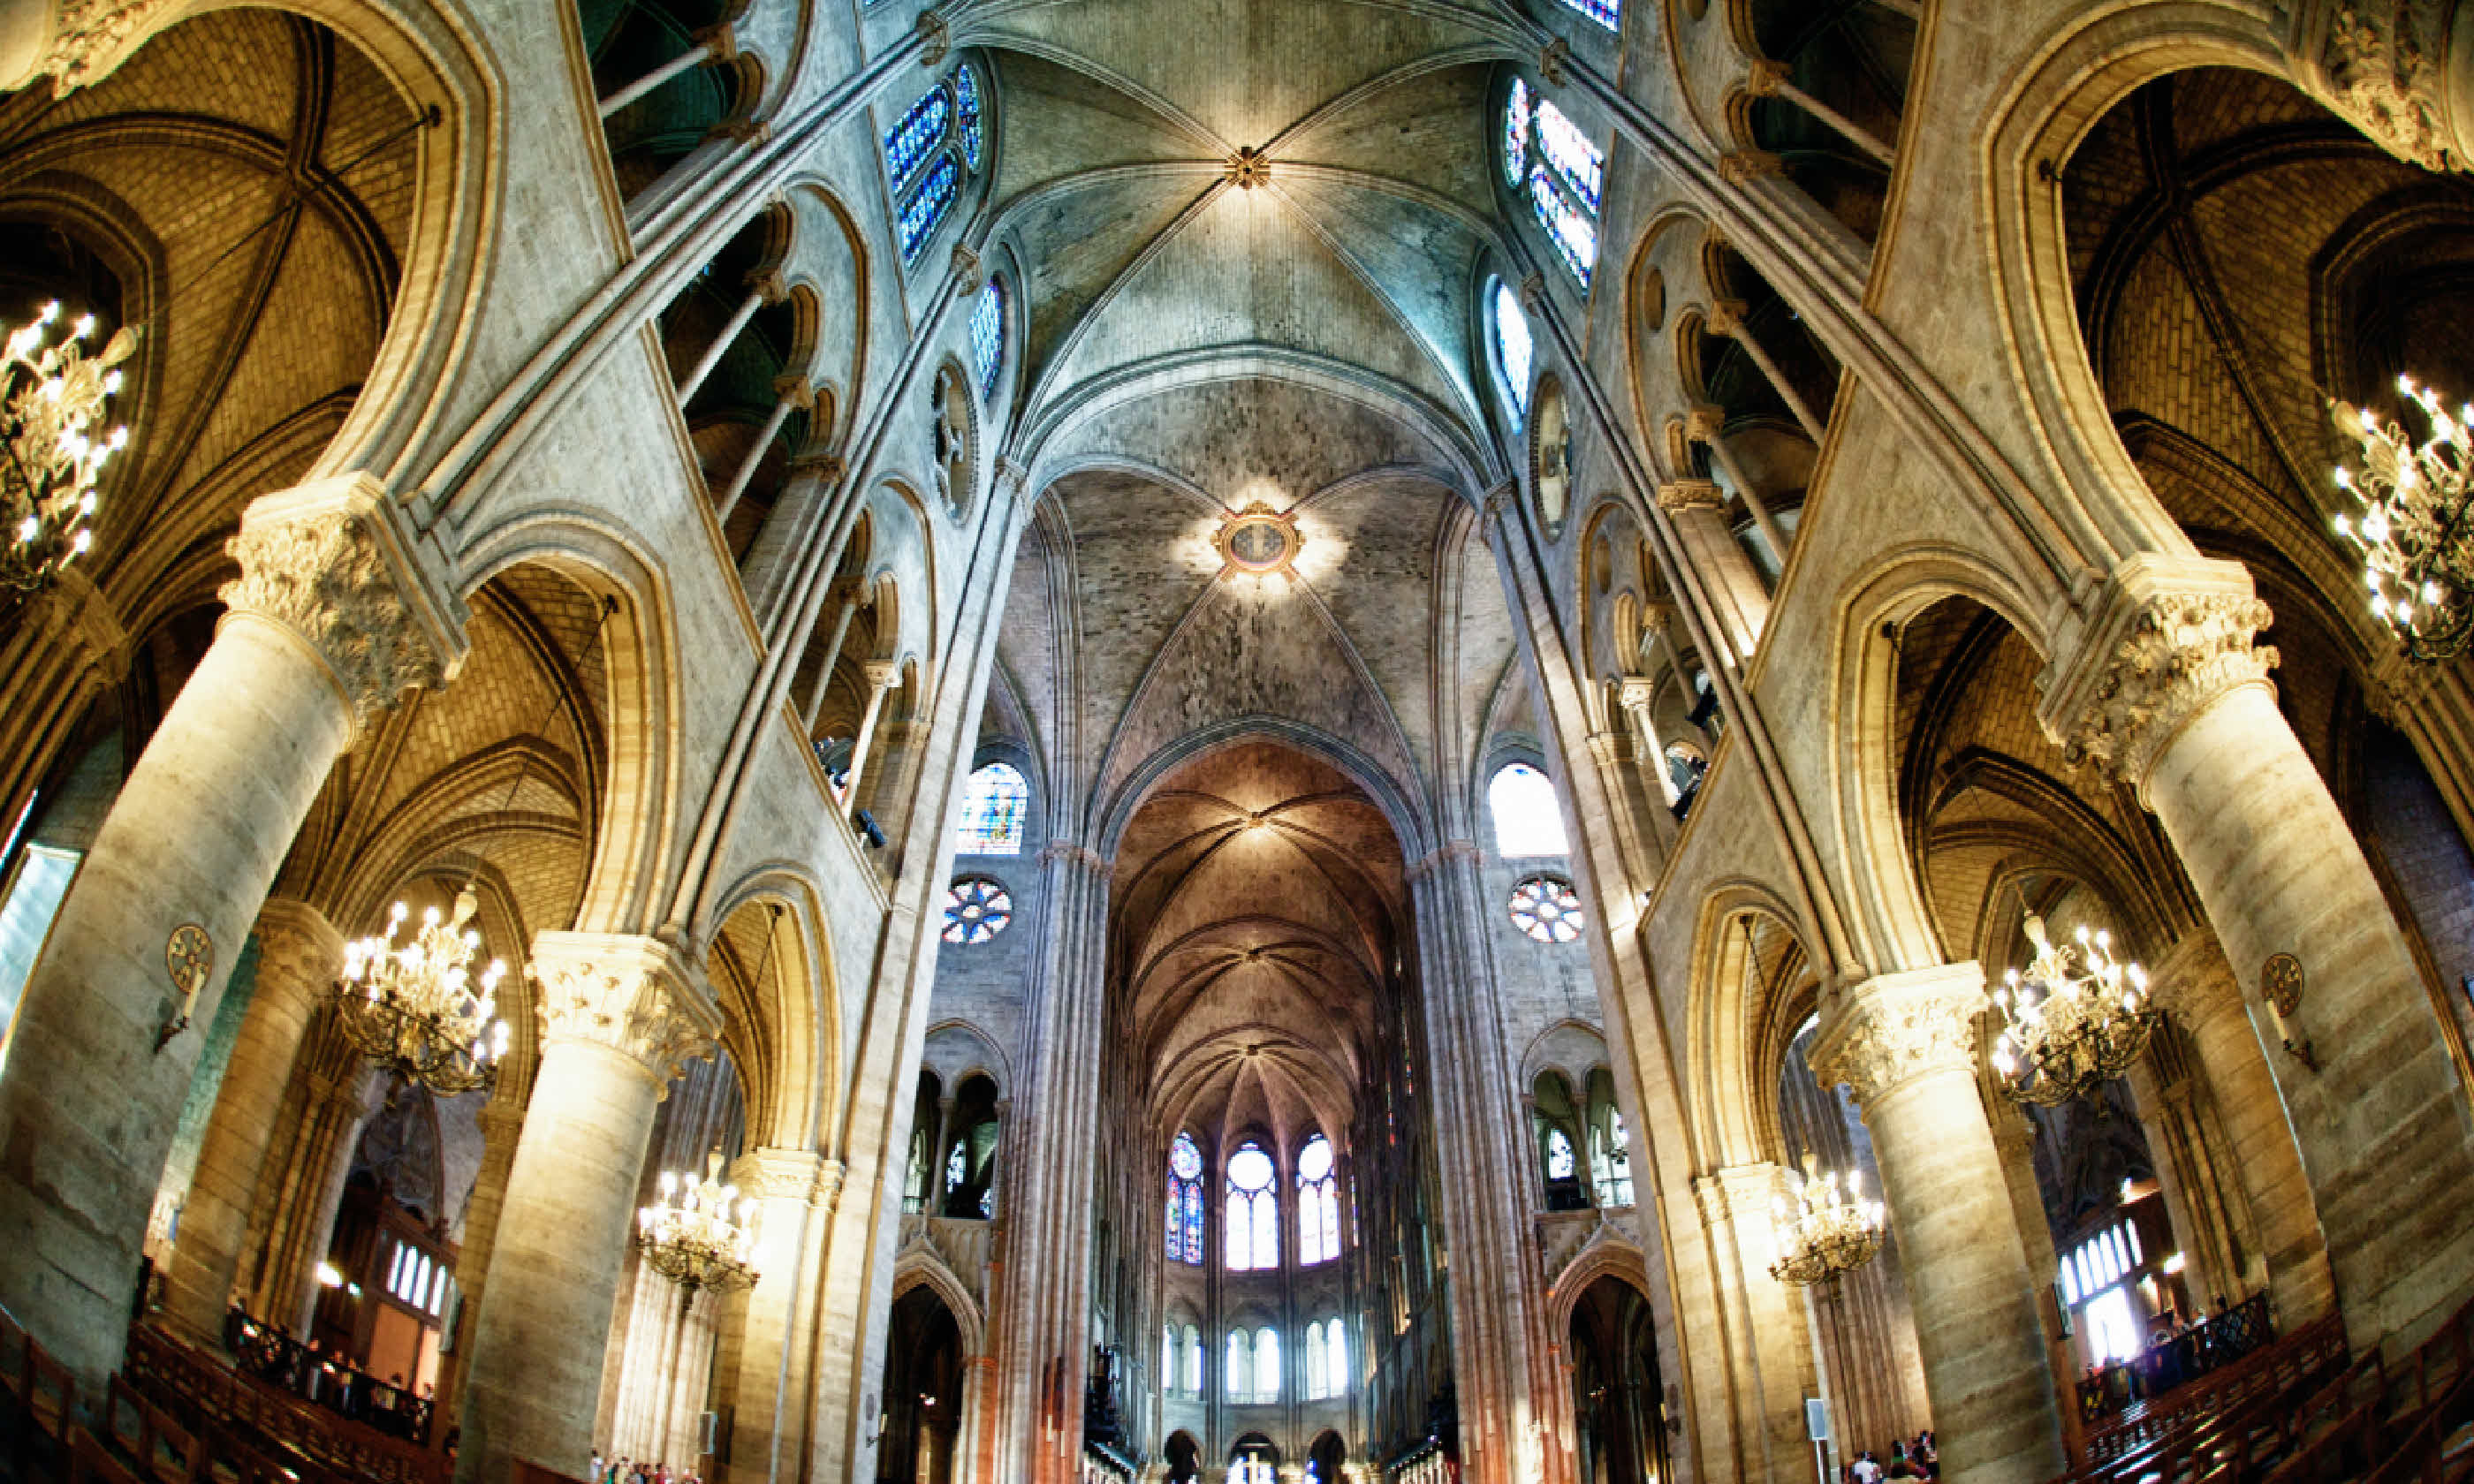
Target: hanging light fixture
1829, 1231
2075, 1020
699, 1234
52, 397
414, 1009
2416, 539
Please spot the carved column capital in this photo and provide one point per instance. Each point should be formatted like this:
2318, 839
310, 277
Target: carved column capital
935, 38
1552, 60
966, 270
1705, 422
637, 996
1677, 495
2168, 638
779, 1174
1740, 165
1498, 500
73, 616
825, 469
882, 674
297, 945
1881, 1033
337, 564
1764, 78
1533, 291
90, 38
1724, 317
2383, 65
1635, 692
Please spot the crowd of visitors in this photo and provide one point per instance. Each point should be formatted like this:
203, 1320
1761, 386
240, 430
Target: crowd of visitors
1915, 1459
628, 1471
316, 1375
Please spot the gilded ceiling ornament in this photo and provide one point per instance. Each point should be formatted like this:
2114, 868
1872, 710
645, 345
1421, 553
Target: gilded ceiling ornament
1260, 541
2182, 652
1247, 168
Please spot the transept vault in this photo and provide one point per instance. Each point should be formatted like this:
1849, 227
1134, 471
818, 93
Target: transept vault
1232, 741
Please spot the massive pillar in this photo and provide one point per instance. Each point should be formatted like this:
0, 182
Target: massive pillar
619, 1014
2163, 687
298, 957
1769, 1342
763, 1371
333, 615
66, 646
1906, 1045
502, 1124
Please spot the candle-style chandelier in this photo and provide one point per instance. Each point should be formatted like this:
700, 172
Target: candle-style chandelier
414, 1009
52, 397
2413, 533
699, 1234
1829, 1231
2074, 1021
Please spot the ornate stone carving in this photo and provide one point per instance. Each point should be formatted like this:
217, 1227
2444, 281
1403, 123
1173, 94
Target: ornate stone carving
779, 1174
1635, 692
1552, 60
1677, 495
93, 36
1070, 853
1704, 422
636, 996
1247, 168
1885, 1031
1739, 166
935, 38
297, 946
966, 271
333, 571
2380, 72
1533, 291
1765, 78
2180, 653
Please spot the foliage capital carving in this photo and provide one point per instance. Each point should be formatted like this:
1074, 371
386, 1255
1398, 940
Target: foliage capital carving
335, 563
1677, 495
779, 1174
297, 946
1881, 1033
2377, 57
637, 996
2159, 651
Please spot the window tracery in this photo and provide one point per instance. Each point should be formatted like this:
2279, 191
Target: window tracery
1547, 909
1563, 172
935, 142
977, 908
1251, 1238
1185, 1202
1318, 1203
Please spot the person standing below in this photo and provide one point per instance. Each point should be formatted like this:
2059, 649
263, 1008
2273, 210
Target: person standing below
1868, 1469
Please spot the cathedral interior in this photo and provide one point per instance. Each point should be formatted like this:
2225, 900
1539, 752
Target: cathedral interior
1068, 741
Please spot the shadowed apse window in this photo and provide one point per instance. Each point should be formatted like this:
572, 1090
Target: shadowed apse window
1318, 1204
994, 803
928, 151
1512, 351
1252, 1238
1527, 820
1185, 1201
987, 338
1606, 12
1548, 158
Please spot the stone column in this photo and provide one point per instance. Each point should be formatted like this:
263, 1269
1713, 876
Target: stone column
1736, 590
295, 1214
1906, 1045
332, 617
1773, 1348
1769, 80
758, 1382
1725, 318
67, 644
850, 598
882, 676
619, 1014
1707, 426
2162, 686
298, 958
2016, 1139
502, 1125
811, 479
1638, 692
794, 392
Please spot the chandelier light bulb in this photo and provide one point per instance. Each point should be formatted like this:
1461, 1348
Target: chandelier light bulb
2093, 1022
54, 397
411, 1007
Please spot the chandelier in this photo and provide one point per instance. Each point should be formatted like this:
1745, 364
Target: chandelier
2078, 1018
412, 1008
54, 394
699, 1234
2413, 534
1828, 1231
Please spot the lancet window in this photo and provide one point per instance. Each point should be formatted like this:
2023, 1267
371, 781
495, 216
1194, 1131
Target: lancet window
1185, 1201
1547, 158
937, 141
1318, 1203
1252, 1236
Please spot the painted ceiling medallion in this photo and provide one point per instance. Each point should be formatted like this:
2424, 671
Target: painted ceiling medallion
1258, 541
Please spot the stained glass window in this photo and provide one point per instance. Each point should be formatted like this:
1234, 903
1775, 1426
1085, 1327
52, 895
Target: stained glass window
1253, 1237
1527, 820
1193, 1361
1516, 133
1185, 1201
1318, 1203
988, 337
1546, 909
966, 105
958, 1166
1318, 1382
926, 211
1512, 350
1267, 1364
1559, 1155
994, 801
1606, 12
1237, 1374
928, 151
1336, 1360
1548, 157
977, 908
913, 140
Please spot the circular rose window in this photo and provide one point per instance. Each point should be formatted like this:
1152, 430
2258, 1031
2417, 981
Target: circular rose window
977, 908
1546, 909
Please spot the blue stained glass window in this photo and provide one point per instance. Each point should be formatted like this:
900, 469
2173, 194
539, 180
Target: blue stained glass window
1516, 133
1512, 350
966, 100
994, 802
1575, 235
1574, 158
913, 140
988, 336
1185, 1203
927, 209
1606, 12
